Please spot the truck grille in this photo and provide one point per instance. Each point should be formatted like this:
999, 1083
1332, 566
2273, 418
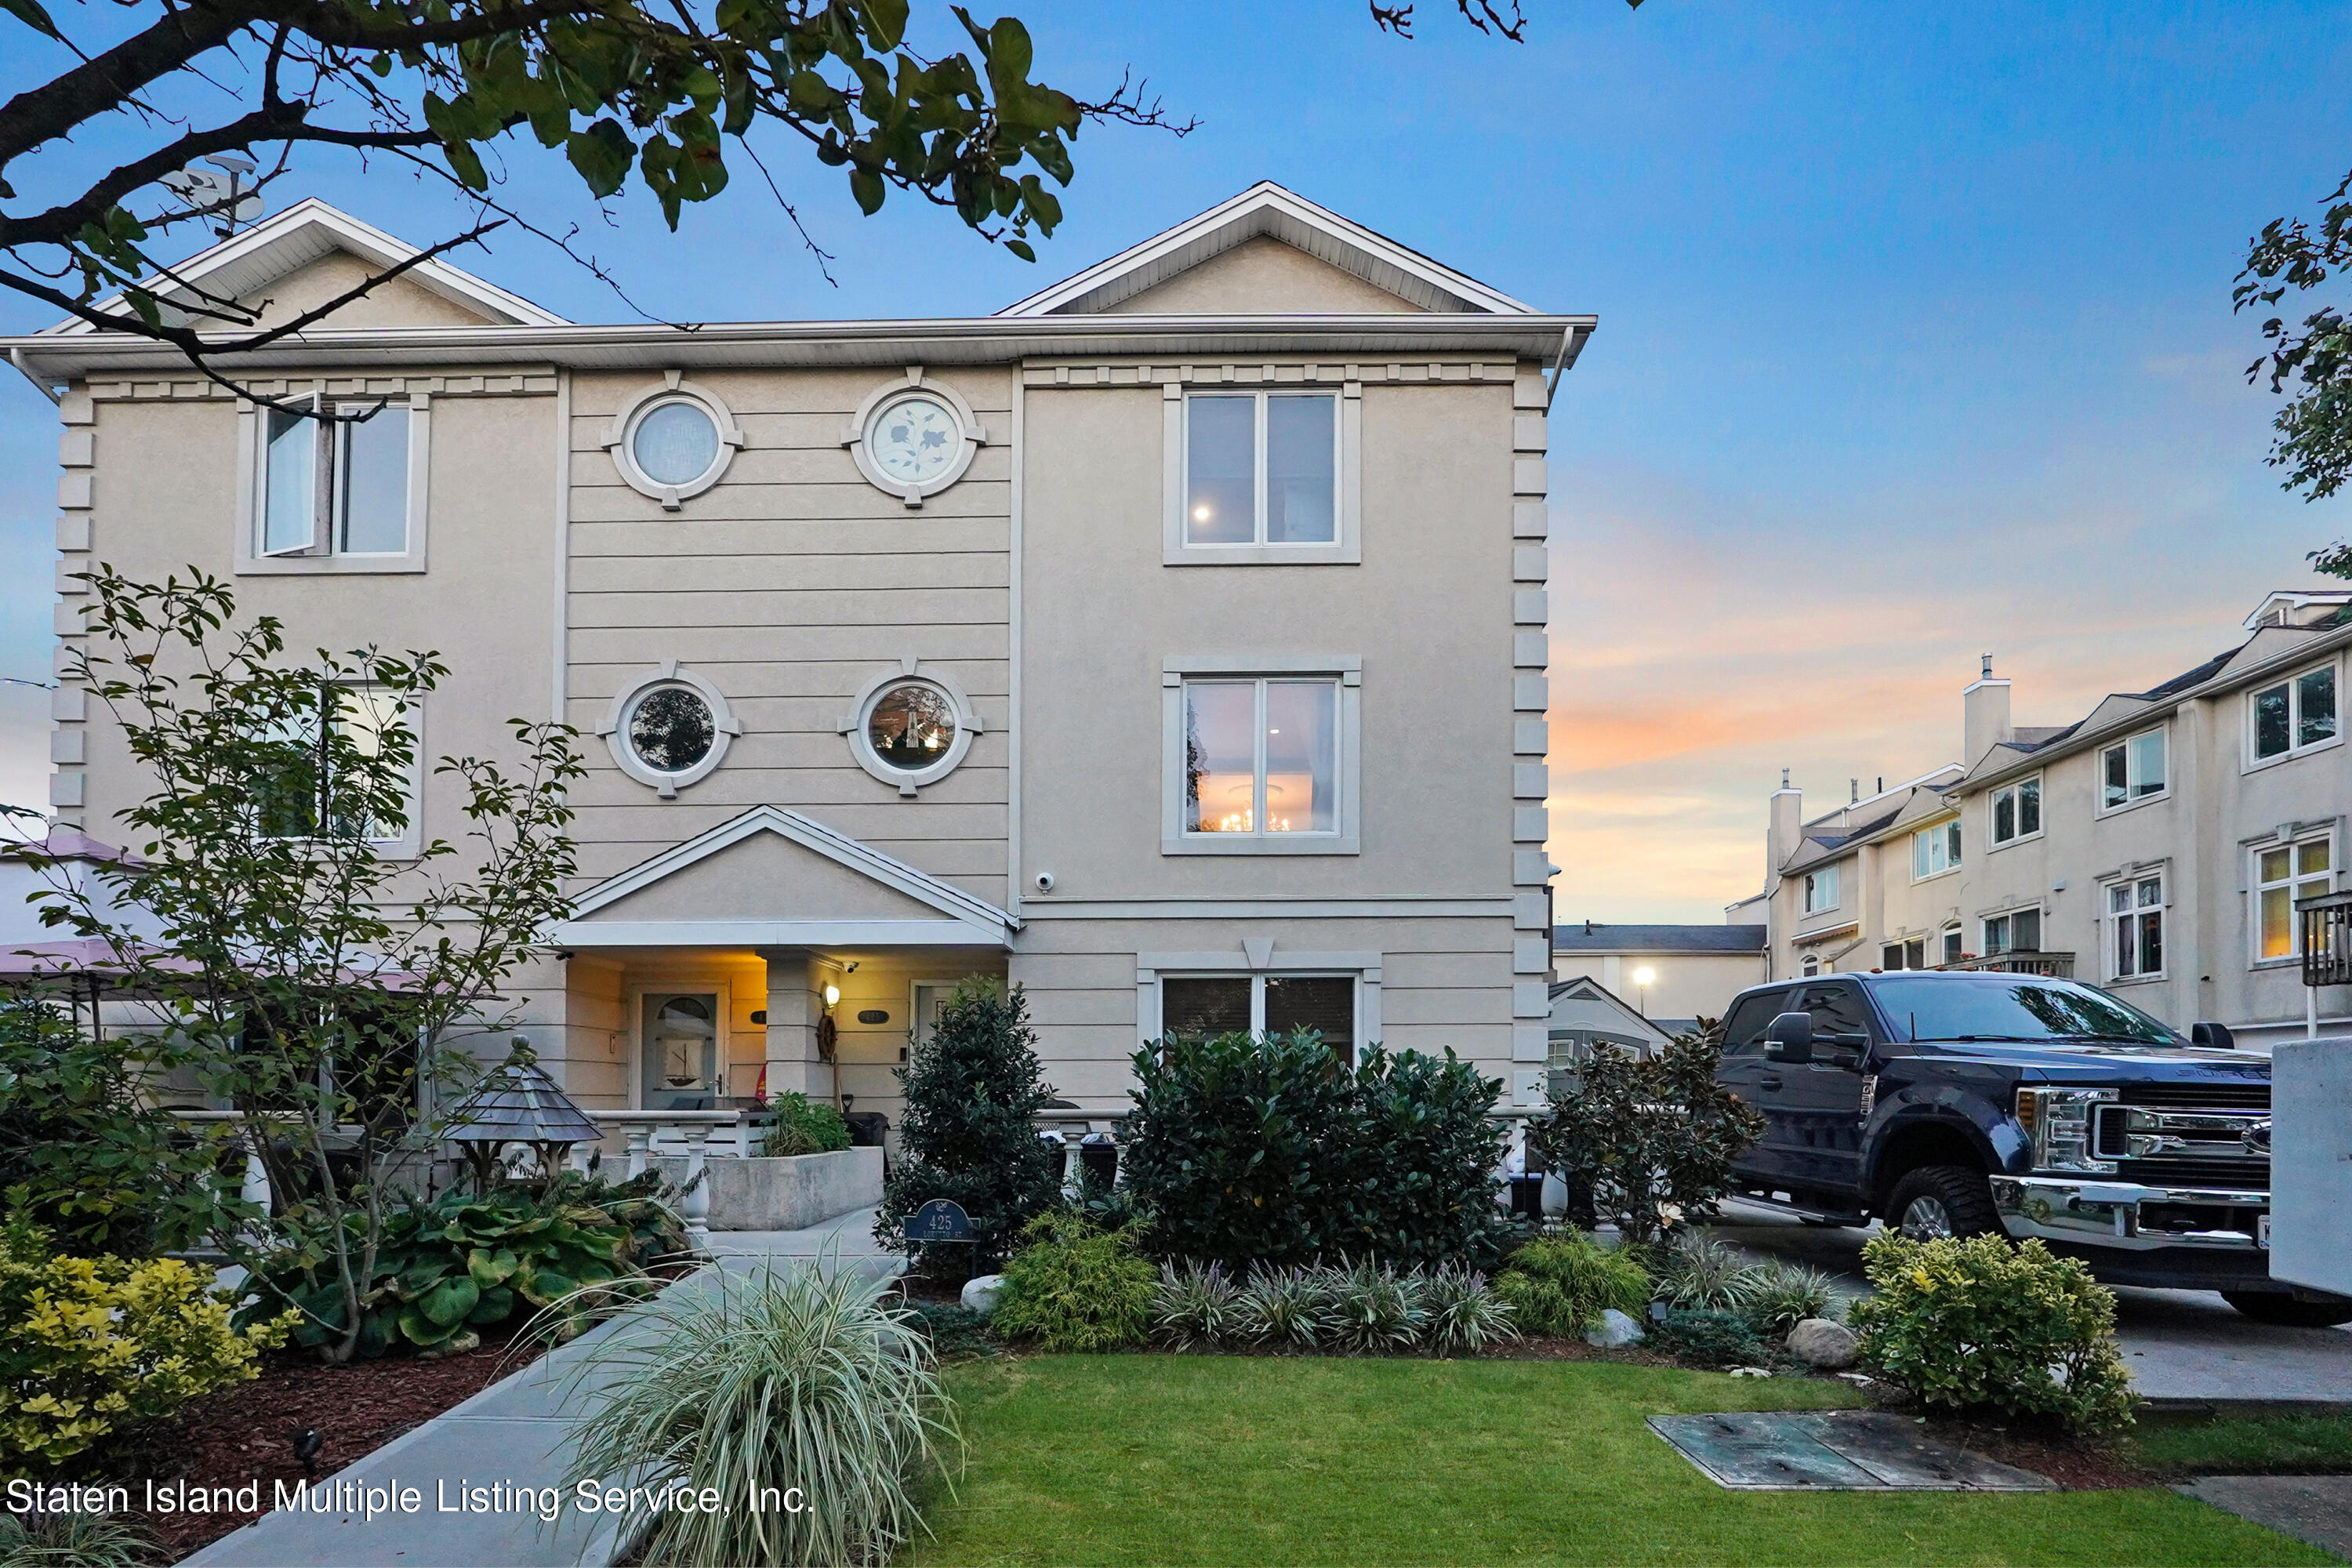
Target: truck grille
2240, 1172
2197, 1096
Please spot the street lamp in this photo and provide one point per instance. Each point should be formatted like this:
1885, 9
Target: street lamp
1644, 977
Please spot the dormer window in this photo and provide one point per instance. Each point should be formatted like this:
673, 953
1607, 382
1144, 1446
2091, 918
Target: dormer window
2294, 715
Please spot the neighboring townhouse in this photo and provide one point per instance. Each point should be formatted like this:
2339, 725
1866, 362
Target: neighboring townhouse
1171, 643
2158, 846
1672, 975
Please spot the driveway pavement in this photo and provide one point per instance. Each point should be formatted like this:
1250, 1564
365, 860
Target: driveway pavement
2185, 1345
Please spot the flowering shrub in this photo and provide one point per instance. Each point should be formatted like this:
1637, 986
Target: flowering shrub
92, 1346
1979, 1322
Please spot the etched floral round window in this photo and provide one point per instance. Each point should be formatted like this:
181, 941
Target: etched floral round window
671, 729
912, 726
675, 443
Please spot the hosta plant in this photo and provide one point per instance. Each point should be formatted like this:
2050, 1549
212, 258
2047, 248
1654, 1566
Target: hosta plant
1979, 1322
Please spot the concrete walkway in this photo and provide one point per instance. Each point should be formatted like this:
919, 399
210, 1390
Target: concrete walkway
2317, 1508
515, 1434
2184, 1346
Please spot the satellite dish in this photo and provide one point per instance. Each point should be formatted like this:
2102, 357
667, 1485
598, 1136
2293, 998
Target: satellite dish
224, 193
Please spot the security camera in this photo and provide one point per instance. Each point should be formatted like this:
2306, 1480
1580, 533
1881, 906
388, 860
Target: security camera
1044, 881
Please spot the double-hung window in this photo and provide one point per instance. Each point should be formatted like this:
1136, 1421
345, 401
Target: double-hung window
1911, 955
2017, 811
1266, 476
2132, 771
1192, 1006
2134, 915
1262, 761
2294, 715
1951, 945
2304, 869
1935, 851
1821, 889
2019, 930
338, 487
325, 773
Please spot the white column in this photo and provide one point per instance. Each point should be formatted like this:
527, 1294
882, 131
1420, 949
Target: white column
794, 1006
639, 1137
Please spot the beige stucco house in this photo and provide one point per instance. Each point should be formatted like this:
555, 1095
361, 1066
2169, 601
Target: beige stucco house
1170, 643
2156, 847
1672, 975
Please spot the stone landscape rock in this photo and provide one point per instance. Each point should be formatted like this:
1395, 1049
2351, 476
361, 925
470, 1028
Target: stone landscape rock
980, 1292
1615, 1331
1820, 1342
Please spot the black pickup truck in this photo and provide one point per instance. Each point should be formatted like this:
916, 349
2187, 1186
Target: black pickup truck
1961, 1104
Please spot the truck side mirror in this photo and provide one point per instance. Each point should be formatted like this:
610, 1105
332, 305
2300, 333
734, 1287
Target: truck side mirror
2216, 1036
1789, 1039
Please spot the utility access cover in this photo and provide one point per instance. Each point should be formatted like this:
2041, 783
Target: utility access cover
1834, 1450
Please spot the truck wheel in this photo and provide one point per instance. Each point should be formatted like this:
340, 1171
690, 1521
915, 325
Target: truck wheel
1938, 1201
2265, 1307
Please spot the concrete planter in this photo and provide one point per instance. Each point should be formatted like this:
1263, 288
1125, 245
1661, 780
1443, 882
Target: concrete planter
788, 1194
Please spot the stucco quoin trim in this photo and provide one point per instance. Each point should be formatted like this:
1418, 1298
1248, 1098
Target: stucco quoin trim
674, 388
724, 727
860, 711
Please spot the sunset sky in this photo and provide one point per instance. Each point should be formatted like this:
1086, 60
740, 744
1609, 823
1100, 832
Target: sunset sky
1915, 343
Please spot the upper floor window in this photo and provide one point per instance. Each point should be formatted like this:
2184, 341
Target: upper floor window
2019, 930
320, 777
2134, 915
1821, 889
1265, 477
2132, 771
1261, 762
337, 488
2294, 715
2017, 811
2300, 871
1935, 851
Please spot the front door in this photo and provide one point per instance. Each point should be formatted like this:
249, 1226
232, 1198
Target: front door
680, 1036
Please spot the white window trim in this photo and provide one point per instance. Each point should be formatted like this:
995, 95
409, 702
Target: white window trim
1951, 871
2253, 764
2019, 785
853, 722
2162, 872
253, 485
2099, 774
674, 388
636, 1064
1348, 670
1943, 934
1809, 881
2254, 886
1258, 959
410, 844
724, 728
880, 400
1346, 547
1984, 945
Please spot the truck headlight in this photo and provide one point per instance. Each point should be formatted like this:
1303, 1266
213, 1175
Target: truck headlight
2057, 1123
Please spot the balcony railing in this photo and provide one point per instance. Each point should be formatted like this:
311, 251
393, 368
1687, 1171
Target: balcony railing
2327, 938
2054, 965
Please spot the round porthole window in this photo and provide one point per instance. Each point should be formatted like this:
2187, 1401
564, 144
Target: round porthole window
675, 443
668, 729
913, 726
671, 729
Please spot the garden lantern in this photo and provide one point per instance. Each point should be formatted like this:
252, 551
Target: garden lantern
517, 1102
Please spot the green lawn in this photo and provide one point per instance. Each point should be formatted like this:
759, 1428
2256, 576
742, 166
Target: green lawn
1216, 1459
2257, 1445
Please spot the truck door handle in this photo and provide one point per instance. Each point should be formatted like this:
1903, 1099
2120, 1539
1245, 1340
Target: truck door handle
1767, 1083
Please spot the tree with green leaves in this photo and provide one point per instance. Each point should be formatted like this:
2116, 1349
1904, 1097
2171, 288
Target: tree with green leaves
935, 105
2312, 357
281, 936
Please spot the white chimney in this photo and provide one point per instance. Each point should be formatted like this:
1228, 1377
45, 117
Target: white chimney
1984, 715
1781, 829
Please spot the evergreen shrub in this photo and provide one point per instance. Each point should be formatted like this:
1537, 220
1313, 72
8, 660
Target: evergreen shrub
1075, 1287
800, 1128
1560, 1286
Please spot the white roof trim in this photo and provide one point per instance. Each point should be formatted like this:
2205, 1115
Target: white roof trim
1265, 208
981, 921
1565, 991
300, 235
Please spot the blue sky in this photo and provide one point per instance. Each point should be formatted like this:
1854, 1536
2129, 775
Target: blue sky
1915, 343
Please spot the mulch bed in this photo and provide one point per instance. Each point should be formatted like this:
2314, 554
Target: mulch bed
245, 1434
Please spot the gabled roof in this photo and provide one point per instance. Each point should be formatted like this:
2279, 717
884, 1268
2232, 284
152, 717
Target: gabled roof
1585, 1003
1590, 936
1265, 208
973, 920
247, 262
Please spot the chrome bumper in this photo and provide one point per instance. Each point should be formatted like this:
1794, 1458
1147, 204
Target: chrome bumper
2093, 1213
